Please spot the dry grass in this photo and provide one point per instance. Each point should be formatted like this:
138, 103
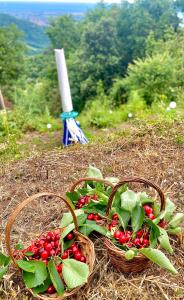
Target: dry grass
149, 152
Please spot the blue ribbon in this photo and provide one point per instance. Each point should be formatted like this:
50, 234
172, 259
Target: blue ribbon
68, 115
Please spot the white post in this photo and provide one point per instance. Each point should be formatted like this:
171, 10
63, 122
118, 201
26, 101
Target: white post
64, 86
2, 105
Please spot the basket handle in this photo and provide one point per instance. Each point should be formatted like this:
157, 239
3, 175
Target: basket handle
73, 187
140, 180
17, 211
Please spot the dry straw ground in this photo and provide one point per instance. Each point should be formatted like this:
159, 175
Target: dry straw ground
155, 153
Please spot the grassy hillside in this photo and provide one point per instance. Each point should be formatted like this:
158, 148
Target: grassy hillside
35, 35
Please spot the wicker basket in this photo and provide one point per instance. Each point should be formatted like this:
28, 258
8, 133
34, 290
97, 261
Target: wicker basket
116, 255
86, 245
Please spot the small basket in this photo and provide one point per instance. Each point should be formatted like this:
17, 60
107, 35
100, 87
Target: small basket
86, 244
116, 255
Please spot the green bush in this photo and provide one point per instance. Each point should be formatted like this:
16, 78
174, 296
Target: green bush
35, 98
153, 78
100, 112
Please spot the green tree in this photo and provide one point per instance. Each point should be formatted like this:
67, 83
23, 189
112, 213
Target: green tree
157, 77
12, 50
64, 32
96, 59
136, 20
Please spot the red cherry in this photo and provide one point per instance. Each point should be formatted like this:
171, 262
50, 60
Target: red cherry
70, 236
65, 255
83, 259
110, 227
145, 242
97, 218
59, 268
44, 255
41, 242
114, 223
58, 251
75, 249
78, 255
148, 210
48, 238
162, 223
82, 201
136, 241
57, 237
56, 244
74, 245
48, 247
115, 217
129, 245
51, 289
151, 216
53, 238
117, 234
87, 198
80, 205
52, 244
41, 250
90, 217
146, 235
34, 249
122, 239
139, 234
94, 197
52, 252
128, 235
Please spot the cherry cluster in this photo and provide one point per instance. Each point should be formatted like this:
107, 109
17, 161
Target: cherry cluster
128, 239
43, 248
85, 200
48, 246
94, 217
114, 222
149, 212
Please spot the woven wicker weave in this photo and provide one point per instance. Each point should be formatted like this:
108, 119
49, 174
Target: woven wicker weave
86, 244
116, 255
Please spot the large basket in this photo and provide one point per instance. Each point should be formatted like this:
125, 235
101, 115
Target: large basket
86, 245
116, 255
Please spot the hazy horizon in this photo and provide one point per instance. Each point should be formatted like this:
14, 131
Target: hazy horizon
63, 1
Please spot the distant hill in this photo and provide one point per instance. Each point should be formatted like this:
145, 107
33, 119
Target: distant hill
35, 35
40, 12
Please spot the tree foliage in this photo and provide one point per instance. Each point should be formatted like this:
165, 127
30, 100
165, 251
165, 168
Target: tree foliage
101, 46
158, 76
64, 33
11, 55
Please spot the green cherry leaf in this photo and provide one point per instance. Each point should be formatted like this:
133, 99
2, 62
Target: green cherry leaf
37, 278
55, 278
75, 273
158, 258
